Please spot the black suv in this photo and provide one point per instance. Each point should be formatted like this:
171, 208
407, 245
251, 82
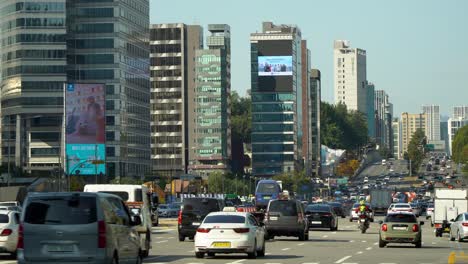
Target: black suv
286, 218
193, 212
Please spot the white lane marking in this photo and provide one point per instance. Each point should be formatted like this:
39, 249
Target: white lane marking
359, 253
273, 263
170, 237
369, 248
325, 236
333, 232
267, 254
162, 241
387, 263
284, 249
351, 241
237, 261
301, 244
342, 259
434, 243
310, 263
363, 241
151, 258
376, 243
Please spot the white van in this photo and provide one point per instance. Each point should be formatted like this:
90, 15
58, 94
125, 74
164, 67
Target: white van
137, 198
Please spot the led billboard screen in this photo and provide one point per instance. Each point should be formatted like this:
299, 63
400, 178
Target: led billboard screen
85, 128
274, 65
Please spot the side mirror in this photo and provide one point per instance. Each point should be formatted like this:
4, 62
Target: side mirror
380, 222
421, 223
136, 220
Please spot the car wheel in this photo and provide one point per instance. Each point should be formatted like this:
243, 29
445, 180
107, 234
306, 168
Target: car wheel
261, 252
418, 244
191, 238
451, 238
268, 237
253, 254
199, 255
115, 259
350, 219
211, 254
306, 237
181, 238
459, 238
14, 254
301, 236
381, 243
139, 258
336, 227
157, 221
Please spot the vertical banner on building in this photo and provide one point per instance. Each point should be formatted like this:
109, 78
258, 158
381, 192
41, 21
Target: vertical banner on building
85, 129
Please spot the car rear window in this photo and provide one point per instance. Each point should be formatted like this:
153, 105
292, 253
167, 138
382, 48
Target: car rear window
228, 219
4, 219
267, 188
401, 218
64, 210
287, 208
318, 208
402, 206
200, 205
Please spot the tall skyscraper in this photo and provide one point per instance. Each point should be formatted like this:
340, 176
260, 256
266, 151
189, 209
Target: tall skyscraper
454, 124
108, 43
33, 74
306, 110
212, 136
433, 122
173, 52
460, 111
350, 75
384, 115
409, 124
276, 100
370, 113
397, 153
315, 142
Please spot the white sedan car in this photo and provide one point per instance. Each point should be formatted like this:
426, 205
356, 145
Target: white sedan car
400, 207
230, 232
459, 228
9, 225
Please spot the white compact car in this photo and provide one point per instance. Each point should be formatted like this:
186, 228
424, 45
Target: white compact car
459, 228
400, 207
230, 232
9, 225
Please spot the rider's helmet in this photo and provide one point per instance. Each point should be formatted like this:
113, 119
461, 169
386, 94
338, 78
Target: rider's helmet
362, 202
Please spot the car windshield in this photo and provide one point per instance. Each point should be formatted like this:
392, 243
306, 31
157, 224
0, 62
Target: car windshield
401, 218
402, 206
61, 210
287, 208
318, 208
4, 219
267, 188
227, 219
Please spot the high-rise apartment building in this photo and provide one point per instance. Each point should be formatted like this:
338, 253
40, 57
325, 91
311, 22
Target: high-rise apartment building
173, 51
383, 119
33, 75
276, 84
211, 135
460, 111
370, 113
397, 153
433, 122
454, 124
108, 43
306, 110
409, 124
315, 142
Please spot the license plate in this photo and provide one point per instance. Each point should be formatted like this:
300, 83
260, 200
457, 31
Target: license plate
222, 244
267, 197
59, 248
399, 228
316, 222
273, 218
196, 223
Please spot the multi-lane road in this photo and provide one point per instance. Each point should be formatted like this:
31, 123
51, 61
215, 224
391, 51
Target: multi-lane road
347, 245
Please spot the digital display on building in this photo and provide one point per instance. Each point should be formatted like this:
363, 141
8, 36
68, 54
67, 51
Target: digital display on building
85, 129
275, 66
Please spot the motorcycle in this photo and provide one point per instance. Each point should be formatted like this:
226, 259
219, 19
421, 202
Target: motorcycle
363, 222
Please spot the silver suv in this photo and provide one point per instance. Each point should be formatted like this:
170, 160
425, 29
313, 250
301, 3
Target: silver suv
77, 227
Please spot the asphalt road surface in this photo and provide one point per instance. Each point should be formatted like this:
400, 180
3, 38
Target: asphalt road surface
345, 246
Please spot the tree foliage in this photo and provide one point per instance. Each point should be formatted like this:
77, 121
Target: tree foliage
241, 128
347, 168
340, 128
459, 143
294, 181
219, 182
416, 149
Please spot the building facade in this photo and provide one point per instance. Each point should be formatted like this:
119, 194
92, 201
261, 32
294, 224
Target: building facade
315, 142
108, 43
460, 111
397, 153
383, 119
212, 137
33, 75
173, 48
370, 113
409, 124
453, 125
433, 122
276, 84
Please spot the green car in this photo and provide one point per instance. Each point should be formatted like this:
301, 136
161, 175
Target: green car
400, 227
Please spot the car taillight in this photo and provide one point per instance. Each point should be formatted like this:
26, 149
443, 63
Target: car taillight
20, 237
179, 218
384, 227
241, 230
6, 232
410, 210
203, 230
464, 224
102, 234
415, 228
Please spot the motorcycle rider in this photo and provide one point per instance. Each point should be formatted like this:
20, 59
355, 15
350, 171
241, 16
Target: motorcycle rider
363, 209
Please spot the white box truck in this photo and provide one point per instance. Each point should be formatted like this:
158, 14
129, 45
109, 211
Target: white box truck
448, 203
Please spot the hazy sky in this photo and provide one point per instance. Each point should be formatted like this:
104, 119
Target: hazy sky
417, 50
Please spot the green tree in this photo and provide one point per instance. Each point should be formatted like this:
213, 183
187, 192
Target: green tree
416, 149
126, 180
215, 182
241, 128
293, 181
460, 141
